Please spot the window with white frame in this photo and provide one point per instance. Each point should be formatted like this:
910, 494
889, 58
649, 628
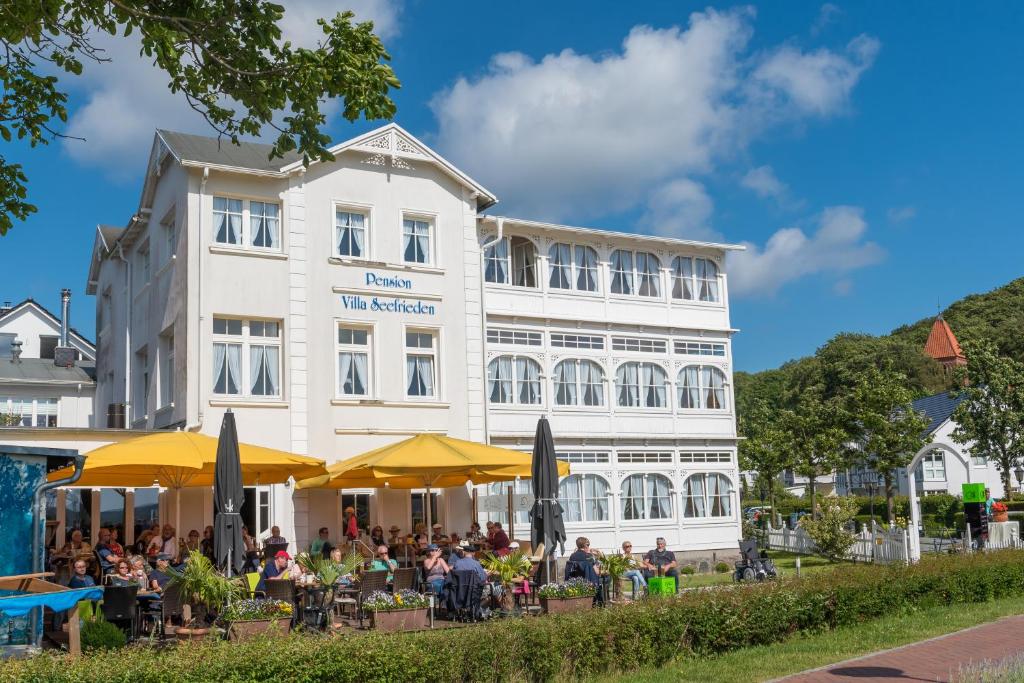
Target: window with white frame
694, 279
705, 457
353, 361
350, 233
646, 497
140, 401
514, 379
227, 221
639, 345
622, 272
170, 237
584, 498
511, 260
641, 385
501, 488
979, 460
28, 412
579, 382
644, 457
707, 495
166, 378
416, 240
706, 272
141, 272
701, 386
265, 225
933, 466
560, 266
263, 220
583, 457
514, 337
636, 273
564, 340
420, 364
572, 266
246, 357
690, 348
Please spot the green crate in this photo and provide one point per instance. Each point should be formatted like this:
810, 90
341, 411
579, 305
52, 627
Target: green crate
661, 585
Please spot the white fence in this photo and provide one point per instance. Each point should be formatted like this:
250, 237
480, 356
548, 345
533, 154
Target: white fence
882, 546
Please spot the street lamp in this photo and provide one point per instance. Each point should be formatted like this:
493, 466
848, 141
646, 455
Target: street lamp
1019, 471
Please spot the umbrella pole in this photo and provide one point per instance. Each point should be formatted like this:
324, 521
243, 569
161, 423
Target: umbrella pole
177, 517
430, 529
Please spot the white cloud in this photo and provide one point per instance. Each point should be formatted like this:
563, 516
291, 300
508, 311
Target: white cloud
763, 181
836, 248
586, 135
124, 100
900, 214
680, 208
827, 14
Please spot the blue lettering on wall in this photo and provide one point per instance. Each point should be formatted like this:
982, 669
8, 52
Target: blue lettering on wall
388, 281
399, 306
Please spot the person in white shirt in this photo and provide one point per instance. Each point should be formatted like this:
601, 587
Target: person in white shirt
164, 544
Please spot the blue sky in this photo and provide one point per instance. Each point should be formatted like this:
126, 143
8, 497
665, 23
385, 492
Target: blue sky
868, 153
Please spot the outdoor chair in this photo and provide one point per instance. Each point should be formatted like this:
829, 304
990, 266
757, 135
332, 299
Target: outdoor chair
271, 549
120, 606
252, 579
404, 579
464, 591
171, 606
369, 583
282, 589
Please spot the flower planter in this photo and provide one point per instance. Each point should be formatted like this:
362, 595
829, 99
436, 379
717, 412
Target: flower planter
184, 633
1001, 516
567, 605
399, 619
244, 630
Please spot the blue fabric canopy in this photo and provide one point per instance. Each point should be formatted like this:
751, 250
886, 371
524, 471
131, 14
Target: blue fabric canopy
58, 601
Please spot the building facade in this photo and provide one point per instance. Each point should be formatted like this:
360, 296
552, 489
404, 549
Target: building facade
345, 305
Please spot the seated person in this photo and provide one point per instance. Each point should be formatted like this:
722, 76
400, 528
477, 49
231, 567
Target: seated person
158, 578
582, 563
321, 545
466, 561
420, 544
336, 558
275, 570
114, 545
76, 547
275, 536
499, 541
164, 544
140, 570
634, 575
206, 545
108, 558
123, 577
377, 537
79, 577
384, 563
192, 542
661, 562
435, 568
142, 542
474, 532
438, 535
395, 538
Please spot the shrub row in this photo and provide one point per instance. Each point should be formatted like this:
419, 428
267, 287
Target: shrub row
577, 646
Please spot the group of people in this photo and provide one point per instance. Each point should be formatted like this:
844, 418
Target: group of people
143, 564
586, 562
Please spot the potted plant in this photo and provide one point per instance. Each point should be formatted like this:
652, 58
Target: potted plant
204, 590
1000, 512
616, 565
572, 596
507, 569
327, 571
248, 618
402, 611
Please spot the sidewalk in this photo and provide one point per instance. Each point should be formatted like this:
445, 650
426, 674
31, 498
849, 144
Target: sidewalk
937, 659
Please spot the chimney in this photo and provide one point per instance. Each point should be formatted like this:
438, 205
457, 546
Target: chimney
5, 308
64, 355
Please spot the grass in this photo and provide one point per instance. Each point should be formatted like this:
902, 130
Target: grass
810, 651
784, 562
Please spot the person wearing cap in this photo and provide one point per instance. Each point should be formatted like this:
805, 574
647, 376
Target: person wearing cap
435, 568
159, 577
395, 538
438, 536
275, 570
467, 561
383, 562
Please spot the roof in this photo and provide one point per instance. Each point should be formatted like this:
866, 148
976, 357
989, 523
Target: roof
942, 343
54, 319
938, 408
110, 234
599, 232
43, 371
205, 150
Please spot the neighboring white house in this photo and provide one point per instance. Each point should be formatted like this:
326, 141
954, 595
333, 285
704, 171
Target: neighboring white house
353, 303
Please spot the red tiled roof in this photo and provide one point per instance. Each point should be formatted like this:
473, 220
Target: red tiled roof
942, 343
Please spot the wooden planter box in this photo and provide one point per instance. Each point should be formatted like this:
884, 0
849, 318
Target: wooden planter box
244, 630
567, 605
400, 619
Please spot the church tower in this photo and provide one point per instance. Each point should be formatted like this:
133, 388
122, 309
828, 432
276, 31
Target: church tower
943, 346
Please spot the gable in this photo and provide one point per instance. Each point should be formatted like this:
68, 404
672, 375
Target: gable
29, 320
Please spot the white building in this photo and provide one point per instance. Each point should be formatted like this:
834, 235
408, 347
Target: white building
349, 304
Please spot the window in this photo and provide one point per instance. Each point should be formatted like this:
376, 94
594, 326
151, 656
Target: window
353, 361
586, 268
249, 349
7, 338
47, 345
564, 258
142, 266
140, 402
167, 368
687, 348
682, 278
979, 460
170, 237
639, 345
689, 282
644, 280
933, 466
663, 457
705, 457
350, 233
707, 495
701, 386
522, 517
514, 337
641, 385
646, 496
28, 412
585, 457
514, 379
584, 498
227, 221
560, 262
707, 279
579, 383
420, 364
577, 341
496, 262
416, 240
264, 225
622, 272
511, 260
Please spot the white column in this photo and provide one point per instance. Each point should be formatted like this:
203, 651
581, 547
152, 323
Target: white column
291, 514
915, 515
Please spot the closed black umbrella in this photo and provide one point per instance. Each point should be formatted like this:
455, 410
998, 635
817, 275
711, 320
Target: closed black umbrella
228, 497
546, 524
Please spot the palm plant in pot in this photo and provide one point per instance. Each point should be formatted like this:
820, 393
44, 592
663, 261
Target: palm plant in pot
204, 590
616, 566
328, 571
513, 566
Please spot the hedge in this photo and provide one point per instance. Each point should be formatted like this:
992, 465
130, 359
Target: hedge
616, 639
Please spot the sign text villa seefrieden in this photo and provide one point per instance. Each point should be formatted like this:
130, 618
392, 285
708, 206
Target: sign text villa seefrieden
387, 305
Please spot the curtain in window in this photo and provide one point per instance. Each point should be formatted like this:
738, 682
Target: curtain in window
682, 278
648, 271
421, 375
351, 229
586, 269
528, 380
227, 220
689, 387
264, 224
652, 379
591, 383
219, 358
560, 261
627, 385
263, 371
622, 272
694, 493
633, 497
565, 383
352, 370
523, 258
569, 497
719, 496
595, 498
713, 382
496, 262
417, 241
659, 499
234, 383
707, 277
499, 379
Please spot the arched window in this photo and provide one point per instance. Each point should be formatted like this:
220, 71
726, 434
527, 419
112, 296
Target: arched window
513, 379
701, 386
511, 260
707, 495
640, 385
638, 273
579, 383
646, 496
584, 498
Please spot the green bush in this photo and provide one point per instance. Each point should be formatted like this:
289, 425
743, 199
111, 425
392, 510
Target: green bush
564, 647
688, 570
722, 568
99, 634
